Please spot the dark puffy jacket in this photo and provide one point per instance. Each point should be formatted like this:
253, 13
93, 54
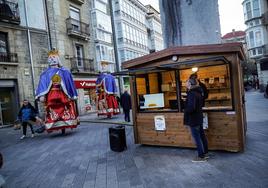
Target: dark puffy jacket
193, 115
27, 112
125, 101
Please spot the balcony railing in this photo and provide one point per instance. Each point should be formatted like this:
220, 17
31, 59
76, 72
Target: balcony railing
80, 2
264, 18
81, 65
9, 12
8, 57
77, 29
265, 50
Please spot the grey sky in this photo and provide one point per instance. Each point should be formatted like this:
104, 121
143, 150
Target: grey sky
231, 14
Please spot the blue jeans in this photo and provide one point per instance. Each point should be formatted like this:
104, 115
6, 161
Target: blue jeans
200, 140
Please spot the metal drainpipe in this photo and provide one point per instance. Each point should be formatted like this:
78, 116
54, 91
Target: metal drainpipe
48, 27
30, 51
115, 46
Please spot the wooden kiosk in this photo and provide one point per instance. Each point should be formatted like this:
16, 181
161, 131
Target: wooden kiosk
158, 91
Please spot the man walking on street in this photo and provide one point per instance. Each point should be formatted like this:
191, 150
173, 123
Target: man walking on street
126, 104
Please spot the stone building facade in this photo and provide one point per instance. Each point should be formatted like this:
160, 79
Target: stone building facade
71, 33
256, 20
23, 48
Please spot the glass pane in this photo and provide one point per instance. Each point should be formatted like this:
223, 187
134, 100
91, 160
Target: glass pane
74, 13
157, 91
79, 55
3, 43
256, 9
258, 38
249, 12
216, 79
251, 39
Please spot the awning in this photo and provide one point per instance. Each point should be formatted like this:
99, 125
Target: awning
218, 60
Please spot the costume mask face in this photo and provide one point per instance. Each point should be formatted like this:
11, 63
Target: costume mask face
53, 58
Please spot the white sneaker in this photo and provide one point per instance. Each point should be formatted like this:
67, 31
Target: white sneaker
32, 135
22, 137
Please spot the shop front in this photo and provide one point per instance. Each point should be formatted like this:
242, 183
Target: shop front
8, 101
86, 95
158, 88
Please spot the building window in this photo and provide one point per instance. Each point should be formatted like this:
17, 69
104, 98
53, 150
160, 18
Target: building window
264, 66
79, 55
248, 11
259, 51
75, 15
3, 43
254, 52
258, 38
256, 8
251, 39
105, 53
156, 91
101, 6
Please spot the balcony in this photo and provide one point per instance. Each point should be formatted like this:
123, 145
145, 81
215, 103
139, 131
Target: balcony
8, 58
77, 29
79, 2
264, 18
81, 65
9, 12
265, 50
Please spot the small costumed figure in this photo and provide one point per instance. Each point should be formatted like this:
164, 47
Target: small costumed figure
106, 90
57, 91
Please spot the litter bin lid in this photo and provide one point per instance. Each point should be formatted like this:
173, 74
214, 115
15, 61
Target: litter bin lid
118, 127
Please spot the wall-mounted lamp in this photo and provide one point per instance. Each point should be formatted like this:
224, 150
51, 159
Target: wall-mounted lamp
195, 69
174, 58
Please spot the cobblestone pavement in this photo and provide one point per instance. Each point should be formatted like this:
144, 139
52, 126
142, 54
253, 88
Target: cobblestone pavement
82, 158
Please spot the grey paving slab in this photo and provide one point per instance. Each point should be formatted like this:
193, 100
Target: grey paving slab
82, 158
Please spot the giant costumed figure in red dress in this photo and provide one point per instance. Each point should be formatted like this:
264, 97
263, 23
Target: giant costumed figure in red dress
57, 90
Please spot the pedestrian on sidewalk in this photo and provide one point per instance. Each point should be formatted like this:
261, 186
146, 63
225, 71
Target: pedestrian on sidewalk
266, 91
193, 117
126, 104
26, 114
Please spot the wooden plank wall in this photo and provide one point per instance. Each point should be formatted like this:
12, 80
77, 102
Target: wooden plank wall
222, 132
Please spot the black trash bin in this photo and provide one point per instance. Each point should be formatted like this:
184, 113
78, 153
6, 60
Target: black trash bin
117, 138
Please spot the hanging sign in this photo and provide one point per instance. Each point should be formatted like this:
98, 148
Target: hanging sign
159, 123
85, 84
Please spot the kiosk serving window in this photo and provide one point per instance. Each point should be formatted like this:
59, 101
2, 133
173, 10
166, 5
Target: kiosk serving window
157, 91
166, 90
217, 81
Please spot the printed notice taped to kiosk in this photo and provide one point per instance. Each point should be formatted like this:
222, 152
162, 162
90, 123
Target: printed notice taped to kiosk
159, 123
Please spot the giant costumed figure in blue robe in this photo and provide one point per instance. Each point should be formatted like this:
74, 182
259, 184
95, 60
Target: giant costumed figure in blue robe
57, 90
106, 90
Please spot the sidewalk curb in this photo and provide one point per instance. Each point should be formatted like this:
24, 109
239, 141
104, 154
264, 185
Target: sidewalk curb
106, 122
5, 126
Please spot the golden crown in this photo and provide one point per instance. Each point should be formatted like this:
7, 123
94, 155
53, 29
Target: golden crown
53, 52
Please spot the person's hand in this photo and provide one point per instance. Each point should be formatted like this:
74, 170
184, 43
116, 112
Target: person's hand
38, 120
42, 99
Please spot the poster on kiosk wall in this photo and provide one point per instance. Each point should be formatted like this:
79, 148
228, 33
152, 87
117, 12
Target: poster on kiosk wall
159, 123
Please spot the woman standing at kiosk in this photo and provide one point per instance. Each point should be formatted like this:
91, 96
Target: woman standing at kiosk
193, 117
